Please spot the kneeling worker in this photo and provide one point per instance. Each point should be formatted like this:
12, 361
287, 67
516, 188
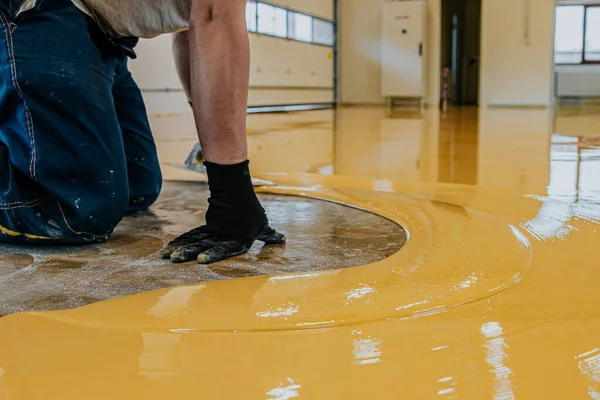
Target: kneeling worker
76, 150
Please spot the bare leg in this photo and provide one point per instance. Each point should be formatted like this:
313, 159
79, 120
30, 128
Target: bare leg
219, 54
181, 51
220, 69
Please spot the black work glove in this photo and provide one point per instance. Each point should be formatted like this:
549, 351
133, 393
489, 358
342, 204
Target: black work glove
234, 220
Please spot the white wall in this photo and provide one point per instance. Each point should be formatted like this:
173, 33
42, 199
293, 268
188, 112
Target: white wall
296, 72
359, 36
514, 72
281, 72
578, 80
319, 8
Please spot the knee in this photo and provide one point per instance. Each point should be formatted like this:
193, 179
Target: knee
141, 203
144, 188
96, 213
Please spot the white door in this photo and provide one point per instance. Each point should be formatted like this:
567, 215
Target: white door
402, 41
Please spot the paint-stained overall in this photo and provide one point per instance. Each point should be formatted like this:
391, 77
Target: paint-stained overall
494, 296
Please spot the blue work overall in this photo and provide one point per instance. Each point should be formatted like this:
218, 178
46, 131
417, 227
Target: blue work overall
76, 150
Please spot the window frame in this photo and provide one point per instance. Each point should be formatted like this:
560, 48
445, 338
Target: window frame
585, 23
275, 7
291, 10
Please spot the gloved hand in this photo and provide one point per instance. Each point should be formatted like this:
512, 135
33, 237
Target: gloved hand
234, 220
209, 247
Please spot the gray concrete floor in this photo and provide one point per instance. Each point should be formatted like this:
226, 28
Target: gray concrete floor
320, 236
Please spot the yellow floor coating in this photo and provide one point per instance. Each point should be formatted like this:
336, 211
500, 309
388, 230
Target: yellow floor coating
495, 294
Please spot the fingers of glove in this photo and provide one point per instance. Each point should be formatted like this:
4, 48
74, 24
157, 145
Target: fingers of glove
189, 238
222, 251
190, 252
166, 252
271, 236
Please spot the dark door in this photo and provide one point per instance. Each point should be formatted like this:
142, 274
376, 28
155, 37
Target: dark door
461, 40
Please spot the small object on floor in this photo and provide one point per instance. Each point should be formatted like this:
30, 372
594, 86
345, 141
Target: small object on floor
195, 161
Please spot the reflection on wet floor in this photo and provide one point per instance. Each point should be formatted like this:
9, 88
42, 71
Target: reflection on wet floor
510, 149
321, 236
535, 151
494, 296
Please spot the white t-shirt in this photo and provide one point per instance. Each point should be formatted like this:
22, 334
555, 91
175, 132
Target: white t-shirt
140, 18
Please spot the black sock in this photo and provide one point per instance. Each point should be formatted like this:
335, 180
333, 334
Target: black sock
234, 210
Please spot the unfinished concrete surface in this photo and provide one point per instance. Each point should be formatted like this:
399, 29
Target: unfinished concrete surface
321, 236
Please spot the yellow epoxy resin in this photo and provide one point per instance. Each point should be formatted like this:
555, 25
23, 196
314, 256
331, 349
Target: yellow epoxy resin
495, 296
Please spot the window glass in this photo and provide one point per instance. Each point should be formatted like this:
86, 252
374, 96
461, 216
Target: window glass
272, 20
323, 32
300, 27
592, 34
568, 40
251, 16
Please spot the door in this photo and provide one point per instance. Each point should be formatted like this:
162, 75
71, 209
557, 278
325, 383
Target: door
461, 41
402, 39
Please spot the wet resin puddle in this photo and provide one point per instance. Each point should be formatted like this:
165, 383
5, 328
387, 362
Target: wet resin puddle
455, 255
321, 236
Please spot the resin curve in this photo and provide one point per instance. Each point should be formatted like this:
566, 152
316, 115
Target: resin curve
451, 258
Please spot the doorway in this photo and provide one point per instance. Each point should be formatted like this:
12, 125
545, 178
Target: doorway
461, 42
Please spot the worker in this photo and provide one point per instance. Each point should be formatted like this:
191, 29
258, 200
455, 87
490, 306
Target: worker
76, 150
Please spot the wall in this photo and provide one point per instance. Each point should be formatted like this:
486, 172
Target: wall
359, 36
282, 71
578, 80
514, 72
319, 8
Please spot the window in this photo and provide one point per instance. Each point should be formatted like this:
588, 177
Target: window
251, 16
288, 24
323, 32
592, 34
300, 27
577, 36
272, 20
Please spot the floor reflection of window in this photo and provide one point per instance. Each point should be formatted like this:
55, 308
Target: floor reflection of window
300, 27
589, 171
497, 347
272, 20
563, 178
564, 166
574, 168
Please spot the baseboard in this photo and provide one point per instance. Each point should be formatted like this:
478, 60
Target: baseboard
572, 101
281, 108
518, 106
377, 104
